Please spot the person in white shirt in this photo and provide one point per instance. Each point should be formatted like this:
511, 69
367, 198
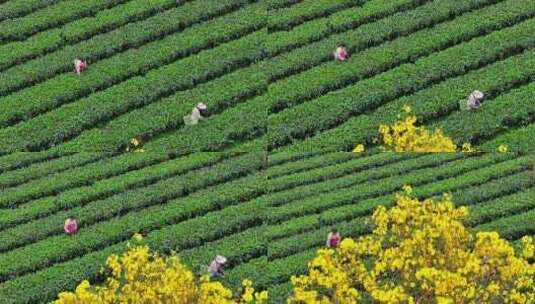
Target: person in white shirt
196, 114
216, 267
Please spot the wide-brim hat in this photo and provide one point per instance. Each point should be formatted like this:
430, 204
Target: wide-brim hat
220, 259
201, 106
478, 94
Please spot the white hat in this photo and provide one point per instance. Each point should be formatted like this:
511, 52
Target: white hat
220, 259
201, 106
478, 94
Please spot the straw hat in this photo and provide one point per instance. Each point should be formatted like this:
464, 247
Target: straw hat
478, 94
201, 106
220, 259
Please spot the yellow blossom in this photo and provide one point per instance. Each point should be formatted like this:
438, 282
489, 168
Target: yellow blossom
359, 148
503, 148
407, 189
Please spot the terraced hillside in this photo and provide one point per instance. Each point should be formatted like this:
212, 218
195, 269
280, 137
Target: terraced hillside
267, 215
427, 54
150, 62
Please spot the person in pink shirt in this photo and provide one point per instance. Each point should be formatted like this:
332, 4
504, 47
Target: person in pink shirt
333, 239
341, 53
79, 66
70, 226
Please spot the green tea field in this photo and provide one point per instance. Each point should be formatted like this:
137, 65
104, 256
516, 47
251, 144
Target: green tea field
267, 215
425, 54
265, 70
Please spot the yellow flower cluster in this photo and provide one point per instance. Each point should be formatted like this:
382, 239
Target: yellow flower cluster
404, 136
141, 276
135, 145
419, 252
359, 148
503, 148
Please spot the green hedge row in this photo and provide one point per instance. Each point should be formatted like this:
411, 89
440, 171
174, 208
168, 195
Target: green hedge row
276, 159
399, 81
85, 175
514, 226
368, 190
19, 160
104, 188
51, 16
275, 4
334, 171
237, 248
465, 178
369, 35
521, 139
343, 181
197, 139
81, 29
286, 18
189, 179
128, 40
345, 20
34, 171
434, 102
65, 122
300, 165
517, 202
17, 8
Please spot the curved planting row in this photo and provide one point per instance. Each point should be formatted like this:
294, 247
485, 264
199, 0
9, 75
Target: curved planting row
51, 16
286, 18
17, 8
34, 171
81, 29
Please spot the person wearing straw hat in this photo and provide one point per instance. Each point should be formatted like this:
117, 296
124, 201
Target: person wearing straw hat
474, 100
216, 267
196, 114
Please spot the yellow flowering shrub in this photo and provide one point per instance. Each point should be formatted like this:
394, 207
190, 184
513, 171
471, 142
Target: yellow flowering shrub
503, 148
405, 136
135, 145
141, 276
420, 252
359, 148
